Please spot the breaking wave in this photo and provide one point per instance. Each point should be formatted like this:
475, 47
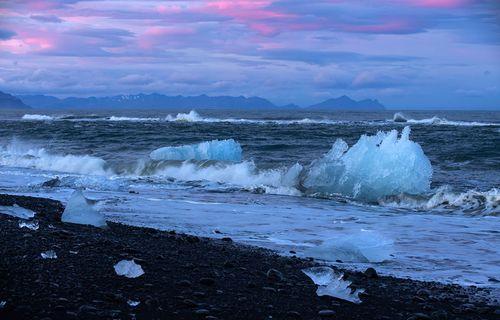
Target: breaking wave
17, 154
114, 118
470, 201
37, 117
401, 118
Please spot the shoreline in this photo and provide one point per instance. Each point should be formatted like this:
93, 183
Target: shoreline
190, 277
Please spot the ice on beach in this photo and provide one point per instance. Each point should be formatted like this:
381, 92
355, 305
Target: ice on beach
221, 150
363, 246
2, 304
32, 225
330, 283
17, 211
129, 269
79, 210
50, 254
374, 167
133, 303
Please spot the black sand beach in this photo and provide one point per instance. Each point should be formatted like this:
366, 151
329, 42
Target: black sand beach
188, 277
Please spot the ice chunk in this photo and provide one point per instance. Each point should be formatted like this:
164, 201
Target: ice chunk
32, 225
331, 284
133, 303
50, 254
399, 117
81, 211
17, 211
129, 269
364, 246
2, 304
222, 150
374, 167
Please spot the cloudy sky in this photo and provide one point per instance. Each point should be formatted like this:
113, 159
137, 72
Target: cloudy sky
406, 53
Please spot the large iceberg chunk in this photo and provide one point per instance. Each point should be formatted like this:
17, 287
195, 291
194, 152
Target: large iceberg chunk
81, 211
374, 167
331, 284
221, 150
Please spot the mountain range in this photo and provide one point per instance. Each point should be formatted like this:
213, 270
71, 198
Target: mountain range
157, 101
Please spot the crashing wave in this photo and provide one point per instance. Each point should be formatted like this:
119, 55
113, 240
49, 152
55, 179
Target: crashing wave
114, 118
17, 154
192, 116
399, 117
37, 117
220, 150
374, 167
471, 201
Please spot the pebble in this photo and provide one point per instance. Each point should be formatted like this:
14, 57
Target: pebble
274, 275
207, 281
326, 313
371, 273
202, 312
419, 316
293, 315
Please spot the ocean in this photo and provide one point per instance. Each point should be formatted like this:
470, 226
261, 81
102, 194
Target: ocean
417, 199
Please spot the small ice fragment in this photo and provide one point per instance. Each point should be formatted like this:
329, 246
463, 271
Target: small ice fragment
73, 252
133, 303
50, 254
17, 211
2, 304
129, 269
79, 210
33, 225
330, 283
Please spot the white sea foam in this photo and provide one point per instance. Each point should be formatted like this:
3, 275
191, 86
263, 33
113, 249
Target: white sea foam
192, 116
220, 150
471, 201
399, 117
37, 117
132, 119
18, 154
374, 167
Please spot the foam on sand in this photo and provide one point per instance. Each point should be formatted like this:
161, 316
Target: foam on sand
80, 210
37, 117
219, 150
330, 283
374, 167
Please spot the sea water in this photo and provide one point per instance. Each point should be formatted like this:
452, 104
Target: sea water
417, 197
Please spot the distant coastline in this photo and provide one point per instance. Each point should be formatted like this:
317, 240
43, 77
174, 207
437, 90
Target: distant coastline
160, 101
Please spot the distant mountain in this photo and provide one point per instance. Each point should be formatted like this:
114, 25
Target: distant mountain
346, 103
8, 101
145, 101
290, 106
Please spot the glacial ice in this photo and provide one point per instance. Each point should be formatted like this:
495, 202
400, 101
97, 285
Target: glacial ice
79, 210
17, 211
330, 283
32, 225
221, 150
129, 269
50, 254
360, 247
374, 167
2, 304
133, 303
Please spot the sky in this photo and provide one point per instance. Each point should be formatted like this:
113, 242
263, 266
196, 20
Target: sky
405, 53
